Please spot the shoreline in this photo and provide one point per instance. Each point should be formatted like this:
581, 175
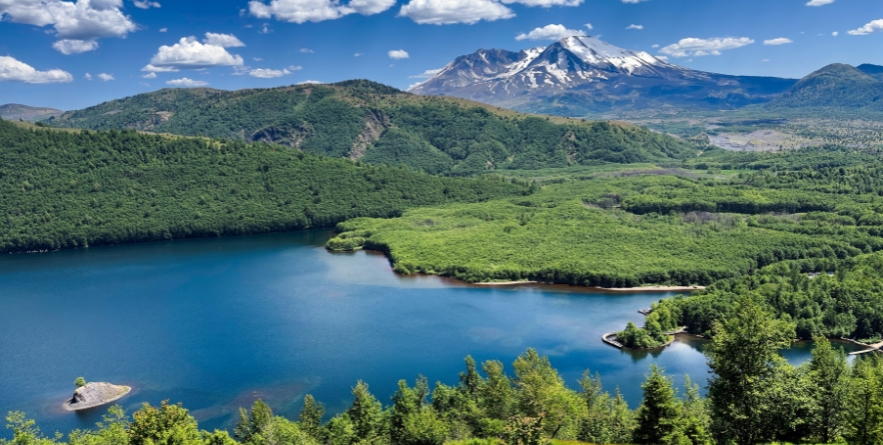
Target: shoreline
639, 289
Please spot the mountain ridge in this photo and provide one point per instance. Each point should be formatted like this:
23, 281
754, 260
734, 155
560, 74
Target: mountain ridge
581, 75
374, 123
26, 112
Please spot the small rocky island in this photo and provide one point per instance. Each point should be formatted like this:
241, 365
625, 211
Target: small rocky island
93, 394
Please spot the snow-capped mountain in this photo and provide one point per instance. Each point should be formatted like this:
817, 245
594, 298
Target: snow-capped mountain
579, 75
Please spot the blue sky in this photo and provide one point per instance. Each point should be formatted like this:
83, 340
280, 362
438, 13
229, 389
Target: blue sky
47, 47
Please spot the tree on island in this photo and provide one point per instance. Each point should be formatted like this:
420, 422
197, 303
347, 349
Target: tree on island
80, 382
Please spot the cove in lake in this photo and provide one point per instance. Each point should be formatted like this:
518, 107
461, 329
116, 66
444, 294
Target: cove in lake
217, 323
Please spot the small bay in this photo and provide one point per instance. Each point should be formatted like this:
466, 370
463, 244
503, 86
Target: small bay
217, 323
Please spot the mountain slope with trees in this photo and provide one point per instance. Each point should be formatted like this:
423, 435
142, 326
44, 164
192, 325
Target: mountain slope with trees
835, 86
362, 120
61, 189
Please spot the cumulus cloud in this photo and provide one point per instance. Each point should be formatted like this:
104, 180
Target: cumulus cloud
72, 46
310, 82
819, 2
398, 54
589, 26
306, 51
545, 3
550, 32
835, 33
265, 73
13, 70
704, 47
87, 76
222, 40
149, 76
189, 53
186, 82
633, 26
164, 30
106, 77
146, 4
81, 21
426, 74
301, 11
874, 26
446, 12
778, 41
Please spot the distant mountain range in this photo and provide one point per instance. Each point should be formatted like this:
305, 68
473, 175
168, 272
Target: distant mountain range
577, 76
836, 86
374, 123
26, 113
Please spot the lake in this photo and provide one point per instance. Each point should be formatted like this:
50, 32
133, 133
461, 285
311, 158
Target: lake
217, 323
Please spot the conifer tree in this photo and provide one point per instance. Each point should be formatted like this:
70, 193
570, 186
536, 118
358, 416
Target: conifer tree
659, 412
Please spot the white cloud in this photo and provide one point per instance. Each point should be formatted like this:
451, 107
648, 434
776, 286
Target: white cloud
550, 32
704, 47
149, 76
185, 82
765, 60
589, 26
835, 33
358, 54
265, 29
13, 70
398, 54
446, 12
189, 53
310, 82
82, 21
874, 26
633, 1
545, 3
295, 67
633, 26
164, 30
655, 45
72, 46
87, 76
301, 11
819, 2
264, 73
306, 51
146, 4
106, 77
222, 40
778, 41
426, 74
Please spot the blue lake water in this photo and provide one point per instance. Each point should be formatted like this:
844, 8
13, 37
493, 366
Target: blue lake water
217, 323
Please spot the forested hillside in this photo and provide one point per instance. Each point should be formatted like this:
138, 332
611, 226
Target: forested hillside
78, 188
381, 125
835, 86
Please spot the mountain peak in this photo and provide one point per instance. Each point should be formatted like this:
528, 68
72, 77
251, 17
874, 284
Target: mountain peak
602, 75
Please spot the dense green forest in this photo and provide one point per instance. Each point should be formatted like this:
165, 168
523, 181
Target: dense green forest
632, 228
754, 396
381, 125
63, 189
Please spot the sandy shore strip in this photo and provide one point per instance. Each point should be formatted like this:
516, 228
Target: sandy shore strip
505, 283
650, 289
660, 289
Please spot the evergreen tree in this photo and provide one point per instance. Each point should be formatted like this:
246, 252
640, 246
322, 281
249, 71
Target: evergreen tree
311, 416
658, 414
744, 357
829, 373
864, 411
366, 413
